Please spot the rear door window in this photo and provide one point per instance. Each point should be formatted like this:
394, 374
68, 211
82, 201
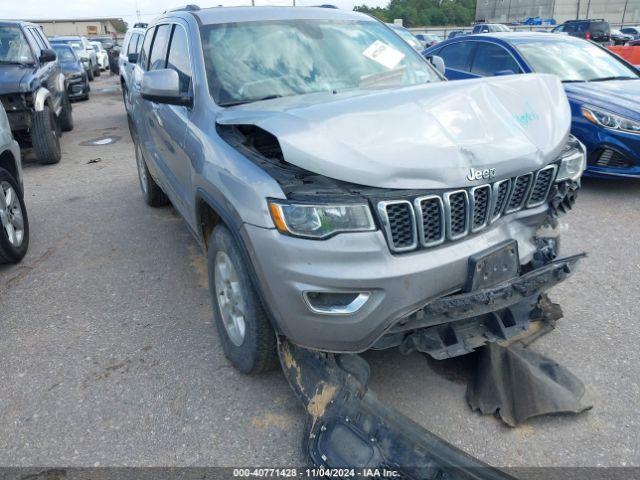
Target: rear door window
133, 43
490, 58
158, 55
458, 55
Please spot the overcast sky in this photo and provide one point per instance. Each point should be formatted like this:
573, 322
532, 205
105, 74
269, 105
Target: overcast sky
126, 9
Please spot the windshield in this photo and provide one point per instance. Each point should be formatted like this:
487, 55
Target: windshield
408, 37
64, 53
251, 61
573, 61
75, 44
13, 46
97, 46
502, 28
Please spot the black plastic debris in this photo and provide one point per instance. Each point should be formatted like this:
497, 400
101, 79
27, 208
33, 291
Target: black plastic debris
516, 384
347, 427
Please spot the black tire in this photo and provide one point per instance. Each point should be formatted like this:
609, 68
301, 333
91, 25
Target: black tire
66, 116
90, 73
97, 72
151, 191
45, 136
258, 351
9, 253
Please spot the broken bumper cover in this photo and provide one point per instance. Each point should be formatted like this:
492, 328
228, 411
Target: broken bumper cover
347, 427
457, 324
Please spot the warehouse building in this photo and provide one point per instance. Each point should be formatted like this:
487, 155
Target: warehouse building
82, 26
508, 11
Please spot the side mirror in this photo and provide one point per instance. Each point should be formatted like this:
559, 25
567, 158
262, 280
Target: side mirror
47, 55
501, 73
132, 58
163, 86
438, 63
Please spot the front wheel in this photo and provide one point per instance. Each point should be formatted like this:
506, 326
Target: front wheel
45, 136
151, 191
90, 73
247, 337
14, 223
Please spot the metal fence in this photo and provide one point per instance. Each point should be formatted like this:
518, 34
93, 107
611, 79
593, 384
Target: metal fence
443, 32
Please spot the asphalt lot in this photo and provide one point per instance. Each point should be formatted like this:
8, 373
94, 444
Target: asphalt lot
108, 354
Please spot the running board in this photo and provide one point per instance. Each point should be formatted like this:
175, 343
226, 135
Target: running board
348, 427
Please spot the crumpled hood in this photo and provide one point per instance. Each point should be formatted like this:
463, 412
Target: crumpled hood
420, 137
612, 95
11, 79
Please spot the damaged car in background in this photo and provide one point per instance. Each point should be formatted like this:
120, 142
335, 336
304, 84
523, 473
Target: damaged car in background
349, 198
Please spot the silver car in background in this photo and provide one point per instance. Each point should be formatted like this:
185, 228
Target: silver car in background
14, 223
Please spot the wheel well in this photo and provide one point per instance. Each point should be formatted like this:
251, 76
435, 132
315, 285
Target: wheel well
8, 162
208, 218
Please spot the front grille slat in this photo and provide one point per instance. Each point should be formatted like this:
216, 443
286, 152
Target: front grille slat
427, 221
399, 223
457, 216
480, 205
519, 192
541, 186
430, 220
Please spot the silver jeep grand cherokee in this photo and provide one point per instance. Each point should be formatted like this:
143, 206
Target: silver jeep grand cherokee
347, 196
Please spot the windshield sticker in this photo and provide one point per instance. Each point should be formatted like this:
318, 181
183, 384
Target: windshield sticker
384, 54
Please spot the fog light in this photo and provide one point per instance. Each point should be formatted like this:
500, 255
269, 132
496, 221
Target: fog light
335, 303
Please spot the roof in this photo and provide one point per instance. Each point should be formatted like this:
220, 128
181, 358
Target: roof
17, 22
252, 14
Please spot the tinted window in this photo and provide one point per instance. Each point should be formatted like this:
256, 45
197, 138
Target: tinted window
599, 27
179, 57
158, 56
457, 55
490, 58
42, 38
133, 43
144, 53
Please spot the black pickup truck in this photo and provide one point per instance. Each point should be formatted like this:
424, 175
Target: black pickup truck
33, 89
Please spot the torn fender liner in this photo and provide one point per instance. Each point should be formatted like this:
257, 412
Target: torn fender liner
347, 427
518, 384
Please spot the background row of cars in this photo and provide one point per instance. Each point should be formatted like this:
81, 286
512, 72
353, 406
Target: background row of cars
38, 79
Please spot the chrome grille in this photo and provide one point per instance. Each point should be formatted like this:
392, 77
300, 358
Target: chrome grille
480, 205
456, 205
429, 220
500, 193
399, 224
519, 192
541, 186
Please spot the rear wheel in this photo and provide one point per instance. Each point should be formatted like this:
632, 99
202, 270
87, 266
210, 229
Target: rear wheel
45, 136
66, 116
247, 338
90, 73
14, 223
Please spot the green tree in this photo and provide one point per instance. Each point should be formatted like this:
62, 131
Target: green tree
419, 13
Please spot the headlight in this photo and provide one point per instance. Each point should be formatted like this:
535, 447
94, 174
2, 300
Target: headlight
572, 160
74, 76
610, 120
320, 221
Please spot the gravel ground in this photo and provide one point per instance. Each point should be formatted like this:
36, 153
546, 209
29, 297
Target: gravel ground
109, 355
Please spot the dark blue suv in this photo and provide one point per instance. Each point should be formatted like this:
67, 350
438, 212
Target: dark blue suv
603, 89
33, 89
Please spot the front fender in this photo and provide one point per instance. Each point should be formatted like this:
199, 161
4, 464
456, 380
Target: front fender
40, 99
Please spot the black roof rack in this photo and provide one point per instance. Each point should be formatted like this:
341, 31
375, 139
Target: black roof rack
140, 25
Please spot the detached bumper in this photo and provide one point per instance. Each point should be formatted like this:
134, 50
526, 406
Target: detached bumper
398, 285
